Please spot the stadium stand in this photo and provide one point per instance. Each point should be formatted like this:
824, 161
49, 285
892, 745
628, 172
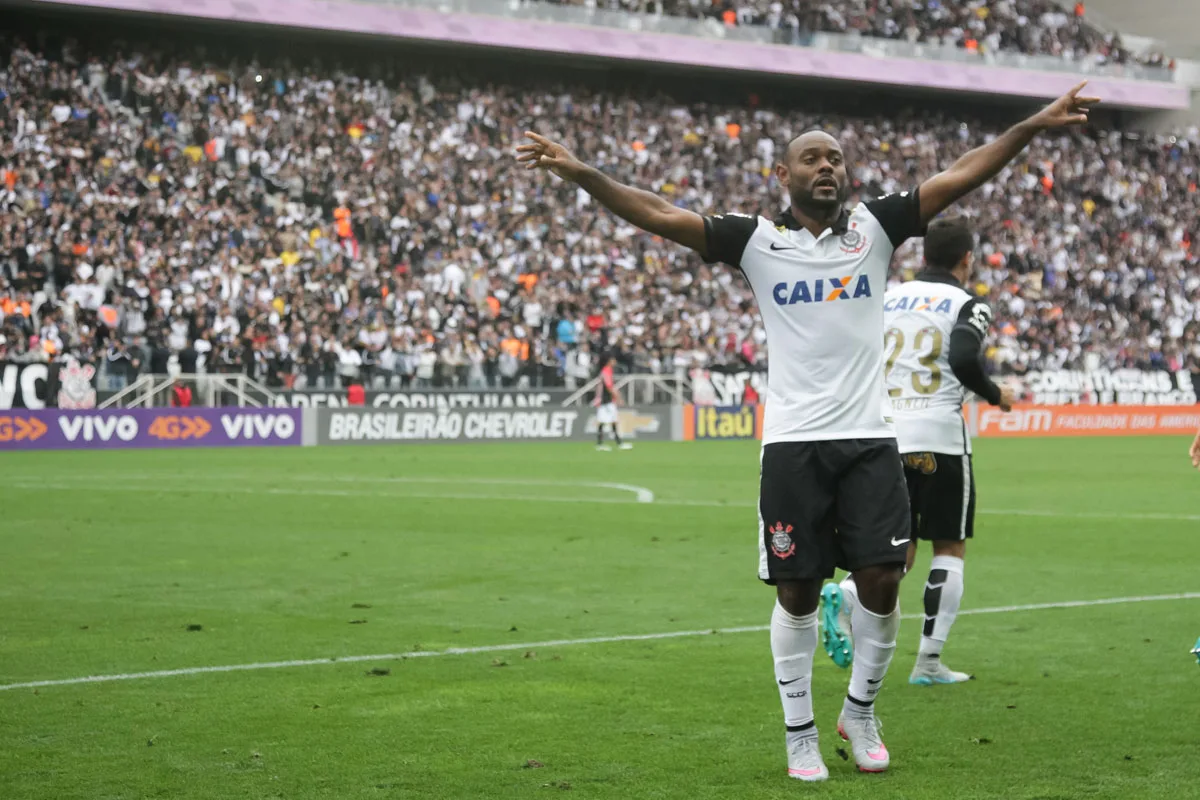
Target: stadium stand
1032, 27
311, 226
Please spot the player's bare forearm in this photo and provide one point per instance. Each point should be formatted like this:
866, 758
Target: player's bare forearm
644, 209
983, 163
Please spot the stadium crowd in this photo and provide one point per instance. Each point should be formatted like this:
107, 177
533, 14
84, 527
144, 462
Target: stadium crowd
1031, 27
314, 228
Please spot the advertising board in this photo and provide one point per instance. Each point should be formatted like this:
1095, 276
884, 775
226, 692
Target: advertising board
722, 422
1030, 420
147, 427
365, 426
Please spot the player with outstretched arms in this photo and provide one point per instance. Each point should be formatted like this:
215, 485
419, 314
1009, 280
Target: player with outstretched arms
933, 345
832, 491
607, 403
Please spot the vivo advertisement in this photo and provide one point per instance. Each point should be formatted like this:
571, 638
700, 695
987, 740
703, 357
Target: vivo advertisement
148, 427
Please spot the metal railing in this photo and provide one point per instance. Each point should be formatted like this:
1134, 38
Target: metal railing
636, 390
714, 29
212, 391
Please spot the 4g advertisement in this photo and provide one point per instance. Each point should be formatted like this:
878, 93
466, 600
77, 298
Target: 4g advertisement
22, 429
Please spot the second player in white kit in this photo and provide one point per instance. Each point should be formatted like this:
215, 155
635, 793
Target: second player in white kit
934, 332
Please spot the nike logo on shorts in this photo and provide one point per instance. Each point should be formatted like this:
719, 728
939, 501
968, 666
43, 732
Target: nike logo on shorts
897, 542
777, 247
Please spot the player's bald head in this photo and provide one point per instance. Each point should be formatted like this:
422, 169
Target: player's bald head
813, 169
811, 139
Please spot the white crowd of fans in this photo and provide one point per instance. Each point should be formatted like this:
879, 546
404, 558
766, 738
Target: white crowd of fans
312, 227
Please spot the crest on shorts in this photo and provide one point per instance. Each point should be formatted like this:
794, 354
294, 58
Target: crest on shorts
925, 463
781, 540
853, 242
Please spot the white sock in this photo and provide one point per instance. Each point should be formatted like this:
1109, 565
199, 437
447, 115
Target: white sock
943, 595
849, 587
874, 645
793, 644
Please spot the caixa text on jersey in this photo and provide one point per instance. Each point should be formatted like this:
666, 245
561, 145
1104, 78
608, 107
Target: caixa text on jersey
822, 290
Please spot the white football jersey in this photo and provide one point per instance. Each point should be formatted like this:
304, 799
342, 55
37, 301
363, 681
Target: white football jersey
821, 302
927, 397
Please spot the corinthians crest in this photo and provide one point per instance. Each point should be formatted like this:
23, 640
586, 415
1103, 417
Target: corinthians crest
853, 242
781, 540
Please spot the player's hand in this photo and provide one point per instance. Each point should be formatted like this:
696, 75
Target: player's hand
1195, 451
1070, 109
1007, 398
541, 153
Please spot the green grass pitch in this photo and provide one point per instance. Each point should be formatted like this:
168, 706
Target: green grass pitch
128, 562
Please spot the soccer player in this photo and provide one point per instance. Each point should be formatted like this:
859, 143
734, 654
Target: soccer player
832, 490
607, 402
933, 343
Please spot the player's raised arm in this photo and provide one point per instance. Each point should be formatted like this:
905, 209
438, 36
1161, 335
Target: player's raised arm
644, 209
981, 164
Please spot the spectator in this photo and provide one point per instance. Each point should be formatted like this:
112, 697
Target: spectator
345, 216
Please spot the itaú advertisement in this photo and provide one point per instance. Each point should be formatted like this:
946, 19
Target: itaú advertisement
722, 422
1029, 420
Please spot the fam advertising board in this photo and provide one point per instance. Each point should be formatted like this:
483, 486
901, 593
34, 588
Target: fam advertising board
148, 427
366, 426
1031, 420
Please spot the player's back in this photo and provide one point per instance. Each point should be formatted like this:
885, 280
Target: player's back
926, 395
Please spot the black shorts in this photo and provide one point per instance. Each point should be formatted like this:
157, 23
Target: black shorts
837, 503
941, 491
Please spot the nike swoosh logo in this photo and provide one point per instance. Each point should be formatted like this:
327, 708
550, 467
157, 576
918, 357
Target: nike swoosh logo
897, 542
777, 247
788, 683
874, 683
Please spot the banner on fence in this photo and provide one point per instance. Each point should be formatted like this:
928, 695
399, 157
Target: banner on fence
364, 426
726, 386
28, 385
1031, 420
500, 398
147, 427
722, 422
1124, 387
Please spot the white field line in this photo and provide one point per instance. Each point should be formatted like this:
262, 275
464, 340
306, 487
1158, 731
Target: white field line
500, 648
640, 493
105, 483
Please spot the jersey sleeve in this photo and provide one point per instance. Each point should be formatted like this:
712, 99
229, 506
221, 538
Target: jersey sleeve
899, 215
974, 317
726, 237
966, 350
